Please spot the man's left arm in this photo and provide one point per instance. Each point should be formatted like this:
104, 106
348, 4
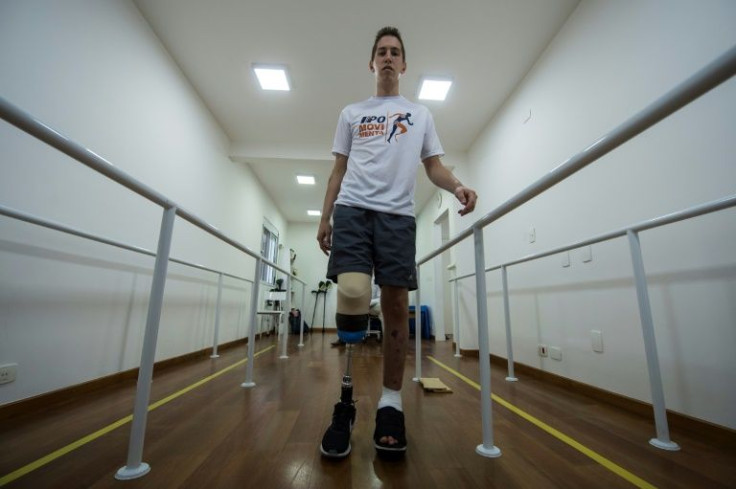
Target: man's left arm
443, 178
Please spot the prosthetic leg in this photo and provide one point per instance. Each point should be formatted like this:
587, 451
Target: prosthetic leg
351, 328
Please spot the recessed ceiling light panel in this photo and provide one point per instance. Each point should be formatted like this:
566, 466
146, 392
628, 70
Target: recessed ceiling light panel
305, 179
434, 88
314, 213
272, 77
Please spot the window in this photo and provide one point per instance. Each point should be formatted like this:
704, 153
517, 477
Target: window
269, 251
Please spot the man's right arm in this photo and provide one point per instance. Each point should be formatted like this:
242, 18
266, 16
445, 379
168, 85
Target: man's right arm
324, 234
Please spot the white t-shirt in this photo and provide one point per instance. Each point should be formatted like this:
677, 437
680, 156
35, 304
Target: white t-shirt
385, 140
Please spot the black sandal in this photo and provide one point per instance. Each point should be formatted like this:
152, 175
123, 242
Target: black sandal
390, 422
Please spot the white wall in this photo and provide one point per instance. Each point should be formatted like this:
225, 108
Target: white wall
610, 60
72, 310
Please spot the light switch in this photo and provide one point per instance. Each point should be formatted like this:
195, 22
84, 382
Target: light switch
587, 254
532, 235
597, 340
566, 259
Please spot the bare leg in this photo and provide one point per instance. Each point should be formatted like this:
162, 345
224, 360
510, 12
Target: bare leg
395, 309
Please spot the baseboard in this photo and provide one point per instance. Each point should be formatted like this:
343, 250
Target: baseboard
677, 420
69, 394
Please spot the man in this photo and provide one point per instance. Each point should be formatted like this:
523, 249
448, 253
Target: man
371, 191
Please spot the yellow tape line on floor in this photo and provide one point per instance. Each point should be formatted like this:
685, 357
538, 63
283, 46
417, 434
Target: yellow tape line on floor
6, 479
613, 467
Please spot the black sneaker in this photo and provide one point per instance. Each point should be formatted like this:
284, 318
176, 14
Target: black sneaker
336, 441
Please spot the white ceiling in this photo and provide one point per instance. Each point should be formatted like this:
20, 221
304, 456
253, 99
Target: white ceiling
486, 46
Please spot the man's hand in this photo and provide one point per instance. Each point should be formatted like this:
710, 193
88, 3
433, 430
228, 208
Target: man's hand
443, 178
467, 198
324, 237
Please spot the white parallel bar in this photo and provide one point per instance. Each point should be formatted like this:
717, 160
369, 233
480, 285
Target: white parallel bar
135, 467
215, 340
417, 332
487, 448
713, 74
650, 347
301, 316
26, 122
457, 320
29, 218
253, 314
673, 217
507, 315
284, 322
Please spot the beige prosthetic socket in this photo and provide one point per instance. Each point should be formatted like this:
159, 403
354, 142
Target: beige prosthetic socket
353, 302
353, 293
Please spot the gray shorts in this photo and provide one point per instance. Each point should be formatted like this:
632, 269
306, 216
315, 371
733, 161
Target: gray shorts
369, 242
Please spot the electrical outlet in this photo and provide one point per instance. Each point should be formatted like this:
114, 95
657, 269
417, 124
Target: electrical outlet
7, 373
542, 350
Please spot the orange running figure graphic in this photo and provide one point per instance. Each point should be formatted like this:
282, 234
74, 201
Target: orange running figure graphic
398, 123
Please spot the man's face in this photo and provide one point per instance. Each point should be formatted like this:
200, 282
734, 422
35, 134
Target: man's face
388, 62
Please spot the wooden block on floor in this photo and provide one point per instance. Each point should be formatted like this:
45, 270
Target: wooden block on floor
433, 384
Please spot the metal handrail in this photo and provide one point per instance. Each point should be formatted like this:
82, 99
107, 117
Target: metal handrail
707, 78
713, 74
26, 122
30, 218
135, 467
695, 211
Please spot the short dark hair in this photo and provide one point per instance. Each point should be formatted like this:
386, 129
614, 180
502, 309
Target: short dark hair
388, 31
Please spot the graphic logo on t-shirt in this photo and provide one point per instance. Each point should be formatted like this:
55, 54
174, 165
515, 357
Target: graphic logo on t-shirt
399, 118
372, 125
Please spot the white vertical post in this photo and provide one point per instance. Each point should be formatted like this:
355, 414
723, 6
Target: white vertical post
650, 347
487, 448
284, 321
252, 335
135, 467
507, 313
417, 333
301, 316
457, 318
215, 340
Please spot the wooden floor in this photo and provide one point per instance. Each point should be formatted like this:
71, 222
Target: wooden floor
220, 435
